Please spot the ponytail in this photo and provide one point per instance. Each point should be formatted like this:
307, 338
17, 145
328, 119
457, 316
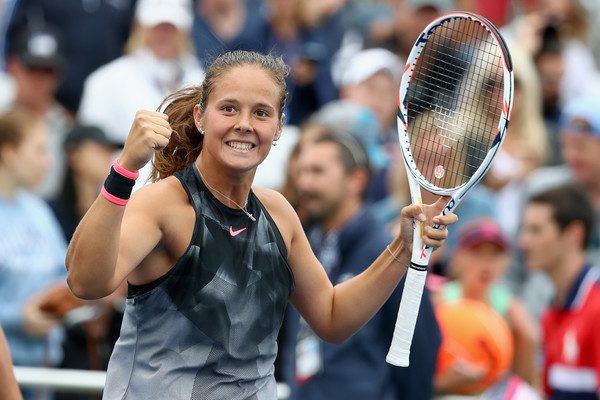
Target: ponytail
186, 142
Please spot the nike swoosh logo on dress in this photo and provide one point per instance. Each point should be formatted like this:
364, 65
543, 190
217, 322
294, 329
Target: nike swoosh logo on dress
235, 233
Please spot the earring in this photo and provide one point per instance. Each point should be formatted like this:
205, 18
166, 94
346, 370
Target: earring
274, 142
202, 131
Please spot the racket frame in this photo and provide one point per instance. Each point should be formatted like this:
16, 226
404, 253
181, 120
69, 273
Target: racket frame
413, 288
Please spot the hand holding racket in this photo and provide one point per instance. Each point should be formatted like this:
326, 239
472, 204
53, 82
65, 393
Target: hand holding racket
453, 110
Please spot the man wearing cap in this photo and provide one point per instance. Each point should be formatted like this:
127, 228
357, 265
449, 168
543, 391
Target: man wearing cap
36, 62
371, 79
94, 33
160, 65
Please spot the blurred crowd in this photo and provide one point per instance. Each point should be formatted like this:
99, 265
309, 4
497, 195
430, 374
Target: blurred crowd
74, 73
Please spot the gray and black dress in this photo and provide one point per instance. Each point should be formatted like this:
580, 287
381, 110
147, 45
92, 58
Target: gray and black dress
207, 329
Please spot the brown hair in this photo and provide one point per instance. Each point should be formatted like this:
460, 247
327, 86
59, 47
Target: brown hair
570, 202
14, 125
186, 142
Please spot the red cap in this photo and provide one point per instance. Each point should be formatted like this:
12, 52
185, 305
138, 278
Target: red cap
482, 230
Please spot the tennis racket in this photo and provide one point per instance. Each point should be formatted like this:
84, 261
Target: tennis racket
454, 105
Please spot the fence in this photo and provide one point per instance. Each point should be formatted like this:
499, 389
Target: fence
81, 381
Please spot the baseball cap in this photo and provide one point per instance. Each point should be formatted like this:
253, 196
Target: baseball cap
39, 48
178, 13
582, 115
81, 133
367, 63
481, 230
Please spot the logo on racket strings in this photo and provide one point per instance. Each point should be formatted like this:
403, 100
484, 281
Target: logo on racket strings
439, 171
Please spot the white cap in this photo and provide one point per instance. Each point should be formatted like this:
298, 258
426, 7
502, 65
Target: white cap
367, 63
150, 13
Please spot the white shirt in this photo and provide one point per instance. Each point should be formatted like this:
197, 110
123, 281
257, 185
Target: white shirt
116, 91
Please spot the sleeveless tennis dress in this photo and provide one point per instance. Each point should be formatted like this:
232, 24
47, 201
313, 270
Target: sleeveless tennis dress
207, 329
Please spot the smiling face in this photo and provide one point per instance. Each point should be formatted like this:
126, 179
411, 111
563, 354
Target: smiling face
242, 117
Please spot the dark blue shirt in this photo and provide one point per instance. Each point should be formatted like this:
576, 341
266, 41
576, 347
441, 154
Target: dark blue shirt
357, 369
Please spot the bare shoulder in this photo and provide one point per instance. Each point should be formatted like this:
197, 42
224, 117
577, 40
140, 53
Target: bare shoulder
281, 211
160, 210
160, 204
160, 196
272, 199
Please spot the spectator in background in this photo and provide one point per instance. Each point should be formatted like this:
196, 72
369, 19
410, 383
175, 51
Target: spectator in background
476, 353
525, 147
556, 231
333, 175
477, 264
158, 63
9, 390
222, 25
32, 247
90, 339
319, 35
36, 62
579, 135
89, 155
372, 79
304, 32
550, 66
557, 34
407, 20
94, 33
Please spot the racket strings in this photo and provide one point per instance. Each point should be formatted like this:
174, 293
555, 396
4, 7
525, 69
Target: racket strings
453, 102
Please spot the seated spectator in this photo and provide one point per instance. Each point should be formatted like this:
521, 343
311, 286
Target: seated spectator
32, 247
480, 259
556, 231
36, 62
580, 145
94, 34
158, 63
89, 155
333, 175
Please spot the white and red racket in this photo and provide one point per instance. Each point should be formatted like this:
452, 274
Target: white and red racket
454, 105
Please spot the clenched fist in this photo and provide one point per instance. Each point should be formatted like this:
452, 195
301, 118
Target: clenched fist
149, 132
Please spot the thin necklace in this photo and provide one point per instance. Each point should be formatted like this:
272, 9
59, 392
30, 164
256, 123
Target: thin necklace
228, 198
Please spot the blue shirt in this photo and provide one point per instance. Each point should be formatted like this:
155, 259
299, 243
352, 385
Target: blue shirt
32, 258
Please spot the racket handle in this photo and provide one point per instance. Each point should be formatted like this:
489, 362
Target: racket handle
399, 351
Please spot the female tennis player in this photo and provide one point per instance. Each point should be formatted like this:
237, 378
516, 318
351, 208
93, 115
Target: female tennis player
211, 262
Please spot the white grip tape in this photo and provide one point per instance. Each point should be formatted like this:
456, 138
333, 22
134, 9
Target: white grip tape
399, 352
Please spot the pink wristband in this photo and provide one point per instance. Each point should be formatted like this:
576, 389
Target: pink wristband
113, 199
125, 172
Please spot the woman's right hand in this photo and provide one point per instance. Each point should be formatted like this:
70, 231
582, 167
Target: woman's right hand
149, 132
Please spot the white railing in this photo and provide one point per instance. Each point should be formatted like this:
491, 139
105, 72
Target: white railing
82, 381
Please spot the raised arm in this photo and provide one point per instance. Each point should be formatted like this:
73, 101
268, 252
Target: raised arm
336, 312
113, 239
